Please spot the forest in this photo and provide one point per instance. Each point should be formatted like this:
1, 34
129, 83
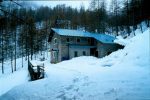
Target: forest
24, 31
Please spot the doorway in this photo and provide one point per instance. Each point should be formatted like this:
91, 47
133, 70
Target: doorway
93, 52
96, 53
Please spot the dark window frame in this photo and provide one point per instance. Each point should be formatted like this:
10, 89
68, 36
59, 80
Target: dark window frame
84, 53
89, 41
68, 39
75, 53
55, 40
78, 40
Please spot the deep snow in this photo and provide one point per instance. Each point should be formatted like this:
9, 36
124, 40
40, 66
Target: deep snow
8, 80
123, 75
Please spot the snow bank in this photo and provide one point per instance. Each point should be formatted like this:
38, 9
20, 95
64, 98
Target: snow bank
7, 82
121, 41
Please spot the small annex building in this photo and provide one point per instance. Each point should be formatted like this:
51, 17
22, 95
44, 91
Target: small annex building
66, 44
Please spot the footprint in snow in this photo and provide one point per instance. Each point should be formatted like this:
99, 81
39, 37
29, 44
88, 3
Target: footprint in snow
63, 96
109, 92
69, 87
75, 80
86, 78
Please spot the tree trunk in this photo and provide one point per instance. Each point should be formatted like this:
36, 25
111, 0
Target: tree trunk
22, 53
15, 52
2, 51
12, 60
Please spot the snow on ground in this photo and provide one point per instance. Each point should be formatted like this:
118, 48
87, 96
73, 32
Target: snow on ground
8, 80
121, 41
123, 75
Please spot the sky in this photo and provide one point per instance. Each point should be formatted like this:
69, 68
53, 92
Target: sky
72, 3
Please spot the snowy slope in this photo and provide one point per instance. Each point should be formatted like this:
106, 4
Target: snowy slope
8, 80
123, 75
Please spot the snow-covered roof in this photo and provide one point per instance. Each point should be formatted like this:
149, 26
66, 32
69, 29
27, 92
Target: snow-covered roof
98, 36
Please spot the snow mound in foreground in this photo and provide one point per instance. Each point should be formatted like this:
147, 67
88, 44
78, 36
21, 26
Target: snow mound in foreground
123, 75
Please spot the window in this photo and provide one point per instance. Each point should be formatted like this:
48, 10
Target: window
54, 54
84, 53
75, 54
67, 39
78, 40
88, 40
55, 40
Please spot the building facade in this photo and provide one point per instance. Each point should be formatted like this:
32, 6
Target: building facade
66, 44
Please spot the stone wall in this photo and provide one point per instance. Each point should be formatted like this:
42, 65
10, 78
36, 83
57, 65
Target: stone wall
68, 46
106, 49
55, 48
81, 51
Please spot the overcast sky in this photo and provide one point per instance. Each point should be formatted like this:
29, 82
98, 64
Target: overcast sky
72, 3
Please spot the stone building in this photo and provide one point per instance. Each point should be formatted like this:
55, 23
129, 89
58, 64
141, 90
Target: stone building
66, 44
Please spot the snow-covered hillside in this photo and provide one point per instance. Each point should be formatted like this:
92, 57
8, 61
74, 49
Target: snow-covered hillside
123, 75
